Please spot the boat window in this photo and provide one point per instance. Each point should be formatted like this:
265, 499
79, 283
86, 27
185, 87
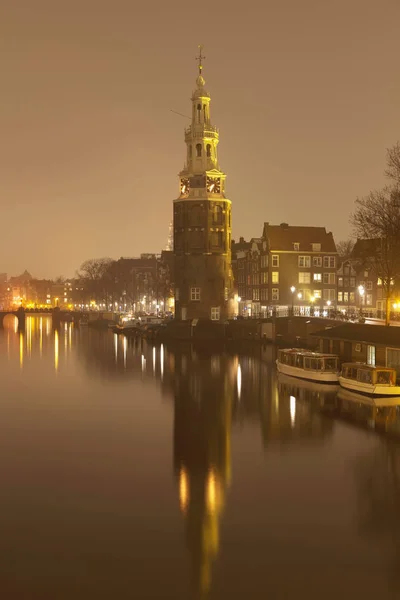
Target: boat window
330, 364
383, 377
314, 364
353, 373
364, 376
299, 361
307, 363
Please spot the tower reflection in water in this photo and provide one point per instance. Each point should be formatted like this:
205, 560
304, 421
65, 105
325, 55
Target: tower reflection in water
202, 458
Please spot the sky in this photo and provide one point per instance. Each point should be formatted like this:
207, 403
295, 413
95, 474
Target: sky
306, 96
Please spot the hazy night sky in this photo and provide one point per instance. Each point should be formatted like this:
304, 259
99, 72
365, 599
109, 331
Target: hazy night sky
306, 95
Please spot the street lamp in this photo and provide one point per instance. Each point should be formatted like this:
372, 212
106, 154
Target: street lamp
361, 292
312, 300
292, 289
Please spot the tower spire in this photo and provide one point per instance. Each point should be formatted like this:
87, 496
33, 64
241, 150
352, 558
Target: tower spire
200, 58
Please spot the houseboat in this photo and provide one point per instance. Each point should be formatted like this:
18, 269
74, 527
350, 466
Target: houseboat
369, 380
312, 366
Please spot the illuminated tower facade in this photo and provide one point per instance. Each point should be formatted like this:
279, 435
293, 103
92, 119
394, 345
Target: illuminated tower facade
202, 221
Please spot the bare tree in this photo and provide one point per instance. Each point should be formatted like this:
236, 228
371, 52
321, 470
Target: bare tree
393, 164
92, 274
377, 221
345, 248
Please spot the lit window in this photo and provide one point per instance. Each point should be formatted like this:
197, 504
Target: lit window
275, 276
317, 277
256, 294
195, 294
317, 294
304, 277
369, 299
264, 277
215, 313
379, 281
340, 297
275, 260
316, 247
226, 294
296, 246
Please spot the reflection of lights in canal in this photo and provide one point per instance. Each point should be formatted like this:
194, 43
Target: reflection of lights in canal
239, 381
56, 350
292, 410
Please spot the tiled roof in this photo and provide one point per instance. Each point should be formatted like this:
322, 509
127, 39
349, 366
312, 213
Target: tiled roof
282, 237
357, 332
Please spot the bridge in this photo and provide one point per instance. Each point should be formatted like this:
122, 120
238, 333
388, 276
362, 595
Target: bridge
56, 314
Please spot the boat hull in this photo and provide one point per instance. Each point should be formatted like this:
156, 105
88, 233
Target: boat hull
308, 375
369, 389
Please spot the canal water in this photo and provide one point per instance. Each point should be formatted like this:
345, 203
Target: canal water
133, 471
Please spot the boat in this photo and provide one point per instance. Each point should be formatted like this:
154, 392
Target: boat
370, 380
312, 366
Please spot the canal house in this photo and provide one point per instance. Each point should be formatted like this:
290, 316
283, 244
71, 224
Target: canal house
370, 344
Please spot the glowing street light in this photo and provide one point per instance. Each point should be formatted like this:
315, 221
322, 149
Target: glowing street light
292, 289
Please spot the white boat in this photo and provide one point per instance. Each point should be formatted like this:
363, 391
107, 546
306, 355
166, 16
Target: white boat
370, 380
312, 366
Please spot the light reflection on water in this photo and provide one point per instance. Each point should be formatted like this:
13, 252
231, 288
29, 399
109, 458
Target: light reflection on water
268, 474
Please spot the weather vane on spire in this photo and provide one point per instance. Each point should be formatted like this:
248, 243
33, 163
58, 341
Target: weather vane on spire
200, 58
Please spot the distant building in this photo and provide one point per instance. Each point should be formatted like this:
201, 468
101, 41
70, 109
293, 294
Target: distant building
288, 266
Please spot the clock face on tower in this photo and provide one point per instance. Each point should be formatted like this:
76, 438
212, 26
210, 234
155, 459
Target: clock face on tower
185, 184
214, 185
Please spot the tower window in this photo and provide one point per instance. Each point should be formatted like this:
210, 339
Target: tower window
198, 112
190, 150
198, 150
208, 150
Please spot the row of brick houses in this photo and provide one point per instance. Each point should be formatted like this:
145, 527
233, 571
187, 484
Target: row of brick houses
291, 268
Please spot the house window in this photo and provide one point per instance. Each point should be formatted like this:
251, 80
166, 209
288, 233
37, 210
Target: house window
345, 296
371, 353
369, 299
198, 150
340, 297
352, 297
329, 278
226, 294
305, 261
329, 262
215, 313
256, 294
304, 277
369, 285
393, 358
296, 246
340, 281
177, 294
264, 261
264, 294
352, 282
317, 261
275, 294
275, 276
329, 294
316, 247
300, 295
195, 294
317, 277
365, 273
264, 277
275, 260
317, 294
379, 281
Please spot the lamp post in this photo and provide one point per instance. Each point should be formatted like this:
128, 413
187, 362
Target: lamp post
361, 292
292, 289
312, 300
329, 307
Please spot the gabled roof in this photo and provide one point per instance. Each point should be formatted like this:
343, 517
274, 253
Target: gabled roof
357, 332
283, 236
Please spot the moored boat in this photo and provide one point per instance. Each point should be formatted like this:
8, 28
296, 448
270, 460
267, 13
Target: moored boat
370, 380
312, 366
